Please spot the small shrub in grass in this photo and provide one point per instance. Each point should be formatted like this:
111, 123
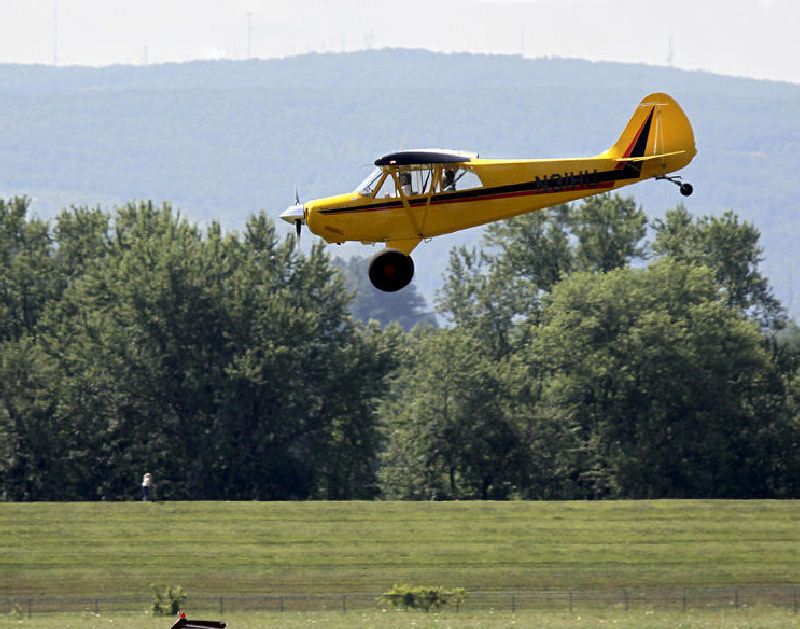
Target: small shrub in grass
167, 599
405, 596
16, 612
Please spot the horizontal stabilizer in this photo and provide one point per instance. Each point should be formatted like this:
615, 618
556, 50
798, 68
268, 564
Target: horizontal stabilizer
648, 157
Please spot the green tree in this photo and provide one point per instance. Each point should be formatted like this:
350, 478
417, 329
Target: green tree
537, 247
476, 300
31, 444
671, 392
609, 230
27, 277
33, 447
491, 291
446, 430
228, 365
82, 237
731, 249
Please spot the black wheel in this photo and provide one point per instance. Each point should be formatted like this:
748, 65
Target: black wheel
686, 189
390, 270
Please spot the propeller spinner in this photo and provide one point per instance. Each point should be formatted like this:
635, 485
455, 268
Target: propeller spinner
295, 214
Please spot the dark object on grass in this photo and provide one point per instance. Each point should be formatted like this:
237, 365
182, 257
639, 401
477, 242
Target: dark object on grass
182, 623
425, 598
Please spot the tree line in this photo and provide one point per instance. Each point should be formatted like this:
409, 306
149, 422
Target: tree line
583, 357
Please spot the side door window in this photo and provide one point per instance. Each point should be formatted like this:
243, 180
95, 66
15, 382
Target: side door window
458, 178
415, 180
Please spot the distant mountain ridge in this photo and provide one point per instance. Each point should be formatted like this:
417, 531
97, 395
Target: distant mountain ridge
221, 139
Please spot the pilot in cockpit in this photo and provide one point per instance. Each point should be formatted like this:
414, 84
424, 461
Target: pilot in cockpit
405, 183
448, 180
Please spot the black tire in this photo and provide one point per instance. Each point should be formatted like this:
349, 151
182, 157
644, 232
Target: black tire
686, 189
390, 270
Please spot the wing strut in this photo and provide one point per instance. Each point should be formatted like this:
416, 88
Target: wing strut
405, 245
406, 204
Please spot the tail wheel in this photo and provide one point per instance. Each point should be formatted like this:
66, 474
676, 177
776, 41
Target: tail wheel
390, 270
685, 188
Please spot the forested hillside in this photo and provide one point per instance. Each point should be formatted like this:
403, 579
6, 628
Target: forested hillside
223, 139
228, 363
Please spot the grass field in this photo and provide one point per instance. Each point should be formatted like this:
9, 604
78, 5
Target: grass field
216, 548
741, 618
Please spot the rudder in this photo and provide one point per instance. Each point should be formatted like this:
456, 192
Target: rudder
657, 127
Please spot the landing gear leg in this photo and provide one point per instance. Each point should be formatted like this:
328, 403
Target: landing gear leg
685, 188
390, 270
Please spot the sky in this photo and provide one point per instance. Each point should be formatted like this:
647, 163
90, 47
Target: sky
752, 38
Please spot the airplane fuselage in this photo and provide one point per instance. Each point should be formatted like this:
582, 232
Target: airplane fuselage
510, 188
417, 194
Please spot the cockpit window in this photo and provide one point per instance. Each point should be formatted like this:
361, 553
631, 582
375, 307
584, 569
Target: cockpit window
422, 179
367, 186
415, 180
458, 178
387, 190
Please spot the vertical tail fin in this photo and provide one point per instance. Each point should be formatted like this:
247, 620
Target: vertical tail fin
657, 127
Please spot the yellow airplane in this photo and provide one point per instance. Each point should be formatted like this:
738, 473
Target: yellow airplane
414, 195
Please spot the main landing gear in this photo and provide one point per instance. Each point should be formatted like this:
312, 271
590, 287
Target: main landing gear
685, 188
390, 270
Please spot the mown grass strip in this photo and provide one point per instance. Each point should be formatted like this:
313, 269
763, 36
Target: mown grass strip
763, 618
316, 547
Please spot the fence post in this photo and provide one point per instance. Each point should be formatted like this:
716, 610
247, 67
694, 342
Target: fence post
570, 602
684, 599
736, 598
513, 603
96, 607
30, 608
221, 605
458, 604
344, 603
625, 596
280, 600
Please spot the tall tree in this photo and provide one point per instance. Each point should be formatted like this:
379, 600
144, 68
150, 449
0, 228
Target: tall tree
27, 277
227, 365
731, 249
524, 258
609, 230
447, 434
537, 247
33, 447
672, 392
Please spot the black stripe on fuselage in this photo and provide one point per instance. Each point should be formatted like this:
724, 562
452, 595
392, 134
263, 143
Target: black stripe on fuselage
567, 182
556, 182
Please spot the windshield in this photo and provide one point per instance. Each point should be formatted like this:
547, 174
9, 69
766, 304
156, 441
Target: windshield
370, 181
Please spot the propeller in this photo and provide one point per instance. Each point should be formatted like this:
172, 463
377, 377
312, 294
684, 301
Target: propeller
296, 215
298, 224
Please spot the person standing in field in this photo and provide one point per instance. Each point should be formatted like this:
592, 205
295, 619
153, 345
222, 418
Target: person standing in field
147, 484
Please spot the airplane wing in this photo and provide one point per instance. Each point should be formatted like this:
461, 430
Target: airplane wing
425, 156
648, 157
